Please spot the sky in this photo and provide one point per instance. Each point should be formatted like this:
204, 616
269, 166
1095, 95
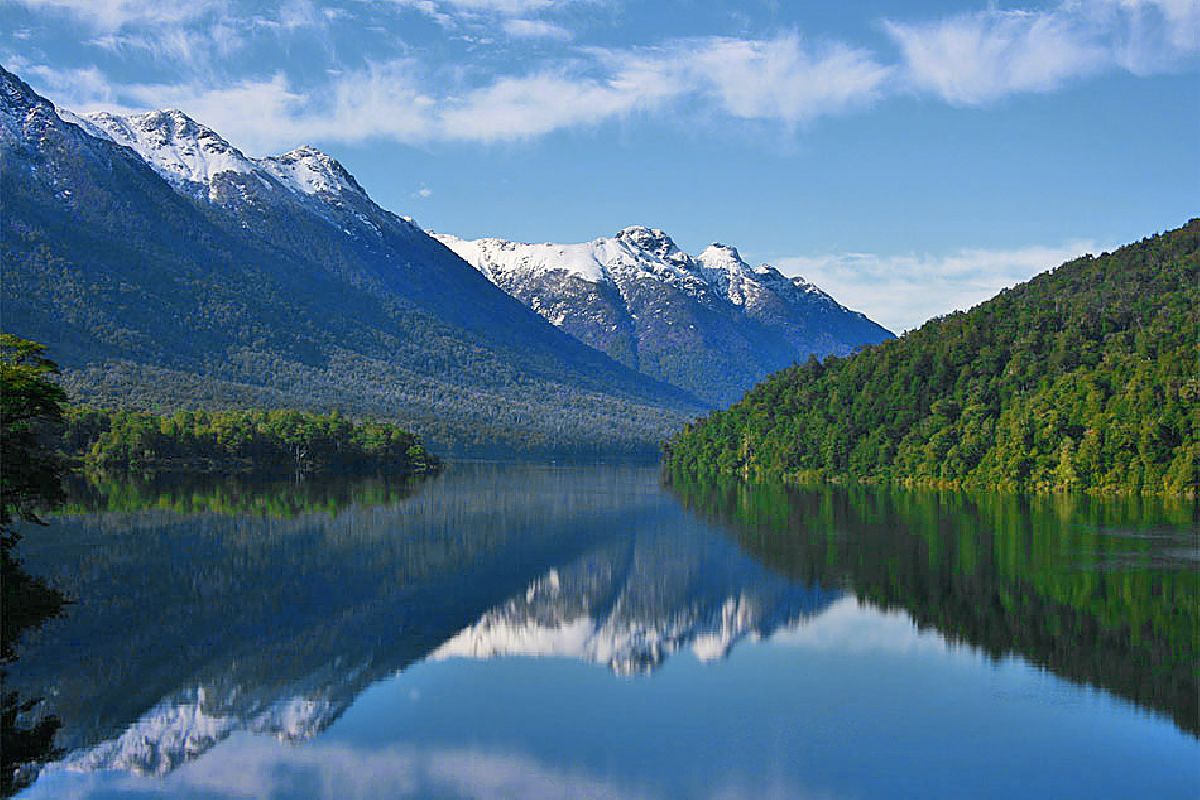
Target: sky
910, 158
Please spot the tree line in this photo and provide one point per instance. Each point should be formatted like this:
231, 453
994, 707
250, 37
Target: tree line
250, 440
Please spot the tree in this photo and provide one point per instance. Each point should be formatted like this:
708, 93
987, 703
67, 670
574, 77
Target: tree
30, 482
30, 404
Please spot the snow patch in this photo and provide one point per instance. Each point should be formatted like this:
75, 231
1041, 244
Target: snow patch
309, 171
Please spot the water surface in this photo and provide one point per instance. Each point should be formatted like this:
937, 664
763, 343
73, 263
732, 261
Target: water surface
534, 631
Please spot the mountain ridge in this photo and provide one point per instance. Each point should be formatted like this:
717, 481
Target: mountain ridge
710, 324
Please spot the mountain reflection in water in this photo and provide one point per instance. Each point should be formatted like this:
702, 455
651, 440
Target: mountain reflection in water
220, 613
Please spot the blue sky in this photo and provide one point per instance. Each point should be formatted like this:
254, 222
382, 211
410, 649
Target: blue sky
910, 158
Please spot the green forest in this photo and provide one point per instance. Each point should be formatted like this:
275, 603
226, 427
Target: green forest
252, 440
1083, 378
57, 435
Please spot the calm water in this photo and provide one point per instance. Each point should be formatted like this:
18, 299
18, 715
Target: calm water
533, 631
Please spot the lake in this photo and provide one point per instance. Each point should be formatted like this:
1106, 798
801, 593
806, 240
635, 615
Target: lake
537, 631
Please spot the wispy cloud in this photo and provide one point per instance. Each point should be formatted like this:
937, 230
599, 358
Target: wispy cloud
965, 59
976, 58
781, 78
519, 15
508, 7
536, 29
774, 79
112, 15
902, 291
192, 34
532, 105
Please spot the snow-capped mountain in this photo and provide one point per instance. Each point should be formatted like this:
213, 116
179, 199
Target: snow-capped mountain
710, 324
163, 266
193, 156
173, 144
286, 260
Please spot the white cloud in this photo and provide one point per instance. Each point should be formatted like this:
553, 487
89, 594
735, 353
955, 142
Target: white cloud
177, 44
113, 15
76, 89
1149, 35
975, 58
965, 59
533, 105
535, 29
902, 291
454, 13
775, 79
196, 34
780, 79
266, 115
424, 192
506, 7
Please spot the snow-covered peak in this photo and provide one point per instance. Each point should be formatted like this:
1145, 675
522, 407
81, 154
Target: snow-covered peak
191, 155
635, 252
499, 259
651, 240
173, 144
629, 622
22, 109
186, 152
734, 279
722, 258
16, 96
811, 289
310, 171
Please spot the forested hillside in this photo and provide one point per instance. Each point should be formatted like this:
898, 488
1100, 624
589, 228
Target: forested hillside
1084, 377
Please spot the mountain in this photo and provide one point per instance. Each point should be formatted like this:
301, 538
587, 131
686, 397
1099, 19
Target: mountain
1084, 377
165, 268
709, 324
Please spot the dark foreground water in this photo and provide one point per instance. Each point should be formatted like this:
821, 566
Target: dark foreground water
588, 632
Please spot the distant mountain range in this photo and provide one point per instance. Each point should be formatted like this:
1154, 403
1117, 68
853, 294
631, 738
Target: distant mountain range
710, 324
164, 268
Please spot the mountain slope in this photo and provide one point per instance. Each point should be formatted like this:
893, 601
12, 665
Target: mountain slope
164, 268
709, 324
1083, 378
